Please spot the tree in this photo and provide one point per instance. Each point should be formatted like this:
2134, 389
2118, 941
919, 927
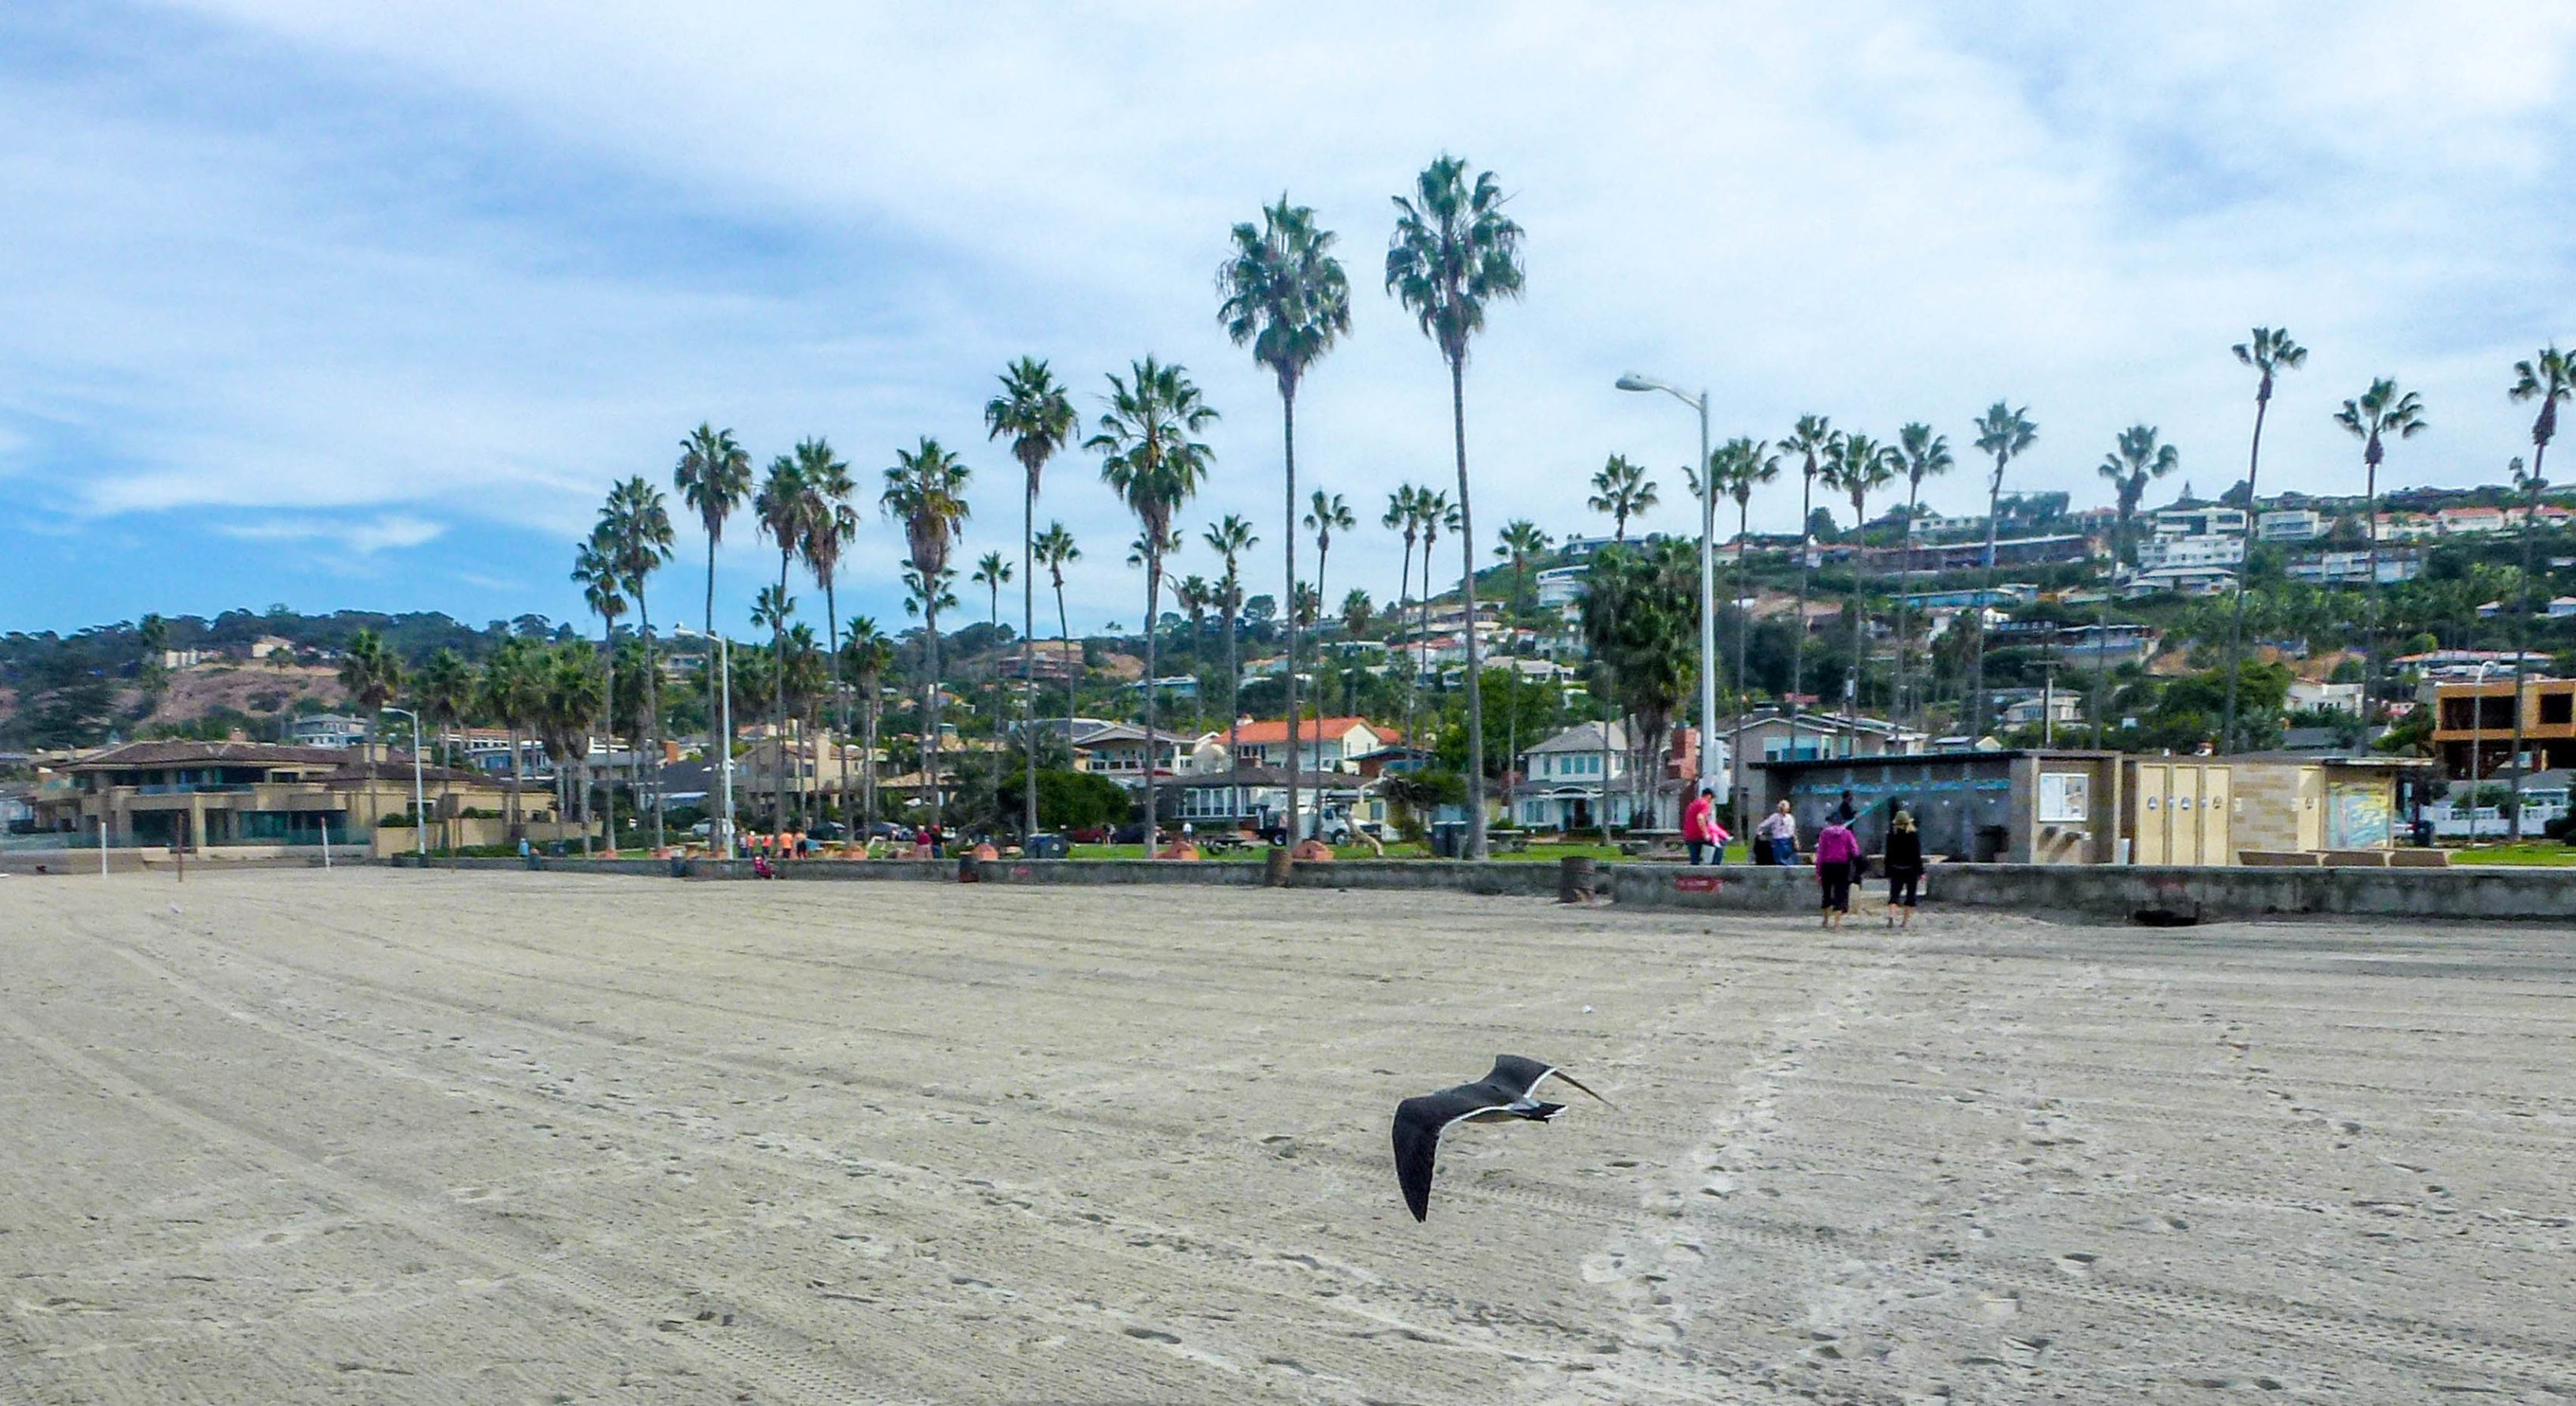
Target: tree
1230, 539
783, 506
1453, 254
830, 525
1641, 620
1437, 512
1737, 467
1287, 298
639, 529
443, 695
1622, 490
2380, 412
1522, 543
1812, 438
1357, 612
926, 492
1404, 514
868, 654
2135, 460
509, 698
1151, 458
772, 609
2528, 487
1858, 467
2269, 352
1056, 550
713, 476
1925, 455
595, 568
372, 673
2004, 433
993, 573
1037, 415
1192, 596
568, 699
1325, 514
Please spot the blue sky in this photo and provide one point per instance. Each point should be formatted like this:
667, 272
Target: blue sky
365, 306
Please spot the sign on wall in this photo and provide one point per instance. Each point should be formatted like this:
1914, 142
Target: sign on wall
2065, 797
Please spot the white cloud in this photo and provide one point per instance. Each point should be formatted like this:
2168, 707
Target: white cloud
482, 258
363, 537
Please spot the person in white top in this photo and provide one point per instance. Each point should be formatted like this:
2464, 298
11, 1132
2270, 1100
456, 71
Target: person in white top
1779, 834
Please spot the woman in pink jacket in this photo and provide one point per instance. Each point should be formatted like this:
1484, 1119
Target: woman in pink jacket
1837, 855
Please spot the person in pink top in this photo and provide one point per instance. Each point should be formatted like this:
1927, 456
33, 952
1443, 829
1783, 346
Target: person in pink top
1837, 856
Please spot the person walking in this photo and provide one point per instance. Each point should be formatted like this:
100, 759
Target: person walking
1904, 868
1777, 836
1700, 830
1837, 856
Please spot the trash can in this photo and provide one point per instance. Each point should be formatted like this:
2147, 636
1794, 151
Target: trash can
970, 870
679, 867
1046, 847
1576, 880
1448, 838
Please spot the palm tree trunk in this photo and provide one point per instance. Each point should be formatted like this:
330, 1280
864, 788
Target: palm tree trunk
840, 805
1798, 637
1153, 600
868, 758
1288, 422
1860, 628
930, 619
608, 721
1403, 585
1476, 847
2370, 628
2521, 634
778, 703
1904, 571
2236, 621
1743, 688
1976, 700
1073, 671
1028, 663
652, 707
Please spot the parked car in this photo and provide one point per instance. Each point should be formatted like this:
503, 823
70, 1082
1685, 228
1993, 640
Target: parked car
1089, 835
888, 830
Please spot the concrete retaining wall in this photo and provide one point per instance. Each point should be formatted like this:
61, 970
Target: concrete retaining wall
2089, 891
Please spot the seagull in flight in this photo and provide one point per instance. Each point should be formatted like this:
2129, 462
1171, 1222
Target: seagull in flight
1505, 1092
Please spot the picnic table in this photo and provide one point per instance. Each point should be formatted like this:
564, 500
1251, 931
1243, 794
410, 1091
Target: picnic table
1510, 841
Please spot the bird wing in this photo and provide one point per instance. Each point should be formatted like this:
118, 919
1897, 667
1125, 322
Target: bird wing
1522, 1075
1556, 1073
1418, 1125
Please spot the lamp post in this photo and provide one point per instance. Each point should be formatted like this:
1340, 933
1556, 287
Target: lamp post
1707, 586
419, 820
724, 743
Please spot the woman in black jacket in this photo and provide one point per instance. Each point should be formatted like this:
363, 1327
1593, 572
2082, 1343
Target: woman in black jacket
1904, 869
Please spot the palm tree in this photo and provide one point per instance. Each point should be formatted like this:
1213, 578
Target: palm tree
2135, 460
640, 526
1287, 299
568, 700
1231, 539
1152, 460
2382, 410
829, 527
2004, 433
443, 694
773, 608
371, 672
1326, 513
2528, 487
1039, 417
1737, 468
1925, 455
993, 573
1623, 491
926, 492
2549, 377
1056, 551
1454, 253
1437, 513
926, 596
1357, 611
1192, 595
595, 568
1859, 467
1812, 438
868, 653
508, 699
713, 476
1404, 514
2269, 352
1522, 542
784, 508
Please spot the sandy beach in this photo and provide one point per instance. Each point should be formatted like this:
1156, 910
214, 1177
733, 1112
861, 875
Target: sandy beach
287, 1136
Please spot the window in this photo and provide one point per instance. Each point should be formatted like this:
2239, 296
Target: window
2558, 709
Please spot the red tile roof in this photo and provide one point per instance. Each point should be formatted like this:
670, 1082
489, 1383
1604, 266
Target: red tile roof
1275, 730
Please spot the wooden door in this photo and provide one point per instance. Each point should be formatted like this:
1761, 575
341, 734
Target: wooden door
2217, 815
2182, 816
2147, 814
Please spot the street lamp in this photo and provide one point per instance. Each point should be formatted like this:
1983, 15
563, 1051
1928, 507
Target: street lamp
723, 837
419, 820
1707, 587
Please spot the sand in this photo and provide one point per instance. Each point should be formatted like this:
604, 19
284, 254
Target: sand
284, 1136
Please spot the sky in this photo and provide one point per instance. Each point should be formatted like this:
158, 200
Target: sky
366, 306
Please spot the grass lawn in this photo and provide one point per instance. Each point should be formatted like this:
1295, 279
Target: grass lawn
2544, 852
1250, 854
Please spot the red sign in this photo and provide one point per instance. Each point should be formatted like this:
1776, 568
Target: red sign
1699, 883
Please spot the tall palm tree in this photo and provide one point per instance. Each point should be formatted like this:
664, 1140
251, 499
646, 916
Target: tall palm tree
1622, 490
1055, 551
829, 527
2380, 412
1812, 438
1438, 513
1231, 539
1521, 543
443, 693
1858, 467
2005, 434
1192, 596
993, 573
2528, 487
926, 596
713, 476
2135, 460
1287, 298
1035, 412
926, 492
784, 509
1925, 455
1151, 458
595, 568
1326, 514
1404, 515
1738, 467
640, 526
507, 697
1453, 254
868, 653
568, 701
371, 672
772, 609
2270, 352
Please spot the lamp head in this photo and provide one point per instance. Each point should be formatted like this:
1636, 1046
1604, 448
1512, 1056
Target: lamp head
1634, 382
